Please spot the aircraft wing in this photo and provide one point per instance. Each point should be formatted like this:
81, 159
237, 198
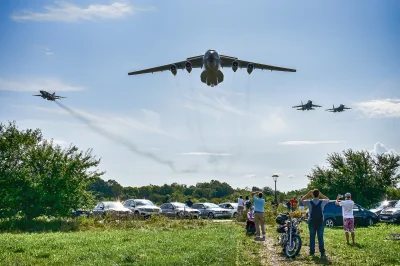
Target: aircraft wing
346, 108
36, 95
226, 61
59, 97
330, 110
197, 62
297, 106
314, 105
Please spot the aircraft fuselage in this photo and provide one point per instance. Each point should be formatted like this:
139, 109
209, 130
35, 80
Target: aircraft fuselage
212, 75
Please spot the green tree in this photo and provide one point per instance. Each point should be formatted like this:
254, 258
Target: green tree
368, 177
40, 178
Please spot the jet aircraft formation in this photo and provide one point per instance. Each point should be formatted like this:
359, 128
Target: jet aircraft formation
212, 63
309, 106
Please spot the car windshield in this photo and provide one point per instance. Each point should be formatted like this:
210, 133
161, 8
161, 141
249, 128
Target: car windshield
211, 205
381, 205
114, 205
178, 205
234, 205
144, 203
397, 204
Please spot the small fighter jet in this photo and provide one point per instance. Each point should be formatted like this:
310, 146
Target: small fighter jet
341, 108
49, 96
308, 106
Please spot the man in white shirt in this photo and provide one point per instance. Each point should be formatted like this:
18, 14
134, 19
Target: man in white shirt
348, 218
240, 208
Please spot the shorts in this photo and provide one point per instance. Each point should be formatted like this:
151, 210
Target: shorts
348, 225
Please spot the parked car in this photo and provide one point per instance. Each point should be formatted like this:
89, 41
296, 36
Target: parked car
391, 215
232, 207
333, 215
179, 210
211, 210
377, 208
81, 212
111, 208
142, 207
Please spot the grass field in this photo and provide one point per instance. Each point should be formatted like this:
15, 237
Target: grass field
208, 244
371, 247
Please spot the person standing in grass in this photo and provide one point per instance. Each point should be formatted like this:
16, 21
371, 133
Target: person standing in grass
293, 203
259, 215
288, 205
316, 223
189, 203
301, 205
240, 208
348, 217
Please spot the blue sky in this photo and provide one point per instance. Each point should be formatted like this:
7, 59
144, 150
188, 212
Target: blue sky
344, 52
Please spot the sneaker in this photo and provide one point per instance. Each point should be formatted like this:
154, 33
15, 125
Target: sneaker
257, 238
323, 256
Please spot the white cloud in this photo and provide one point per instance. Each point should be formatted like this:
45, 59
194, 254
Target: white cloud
273, 123
47, 84
205, 154
291, 176
307, 142
69, 12
379, 148
380, 108
48, 52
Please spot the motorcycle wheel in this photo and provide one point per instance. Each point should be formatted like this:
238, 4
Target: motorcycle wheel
293, 249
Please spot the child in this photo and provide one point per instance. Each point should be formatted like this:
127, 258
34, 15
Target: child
250, 225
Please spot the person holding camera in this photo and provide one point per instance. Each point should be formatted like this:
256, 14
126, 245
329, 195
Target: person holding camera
348, 217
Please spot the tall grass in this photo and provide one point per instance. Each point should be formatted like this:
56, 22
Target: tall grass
52, 224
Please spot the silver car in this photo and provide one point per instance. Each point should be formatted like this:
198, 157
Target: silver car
232, 207
142, 207
179, 210
211, 210
112, 209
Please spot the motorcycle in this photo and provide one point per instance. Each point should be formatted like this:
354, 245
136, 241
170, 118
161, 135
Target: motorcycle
289, 239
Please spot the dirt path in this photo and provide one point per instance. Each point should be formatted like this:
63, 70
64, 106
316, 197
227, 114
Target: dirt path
271, 254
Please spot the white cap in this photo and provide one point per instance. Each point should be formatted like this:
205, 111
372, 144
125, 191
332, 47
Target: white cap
347, 195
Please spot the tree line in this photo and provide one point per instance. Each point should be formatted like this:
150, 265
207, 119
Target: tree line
38, 178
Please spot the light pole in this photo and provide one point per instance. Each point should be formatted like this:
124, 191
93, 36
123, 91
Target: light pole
275, 177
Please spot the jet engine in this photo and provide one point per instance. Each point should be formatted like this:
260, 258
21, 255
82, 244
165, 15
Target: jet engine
173, 69
188, 66
235, 65
250, 68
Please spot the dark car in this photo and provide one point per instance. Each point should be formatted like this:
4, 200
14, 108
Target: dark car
179, 210
377, 208
333, 215
391, 214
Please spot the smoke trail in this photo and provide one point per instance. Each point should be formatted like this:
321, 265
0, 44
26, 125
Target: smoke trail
122, 141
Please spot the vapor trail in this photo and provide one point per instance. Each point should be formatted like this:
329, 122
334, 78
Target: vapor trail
120, 140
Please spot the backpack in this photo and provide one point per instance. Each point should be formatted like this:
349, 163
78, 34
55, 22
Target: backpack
248, 203
316, 216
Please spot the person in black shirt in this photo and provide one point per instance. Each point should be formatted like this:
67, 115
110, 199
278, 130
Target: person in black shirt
189, 203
